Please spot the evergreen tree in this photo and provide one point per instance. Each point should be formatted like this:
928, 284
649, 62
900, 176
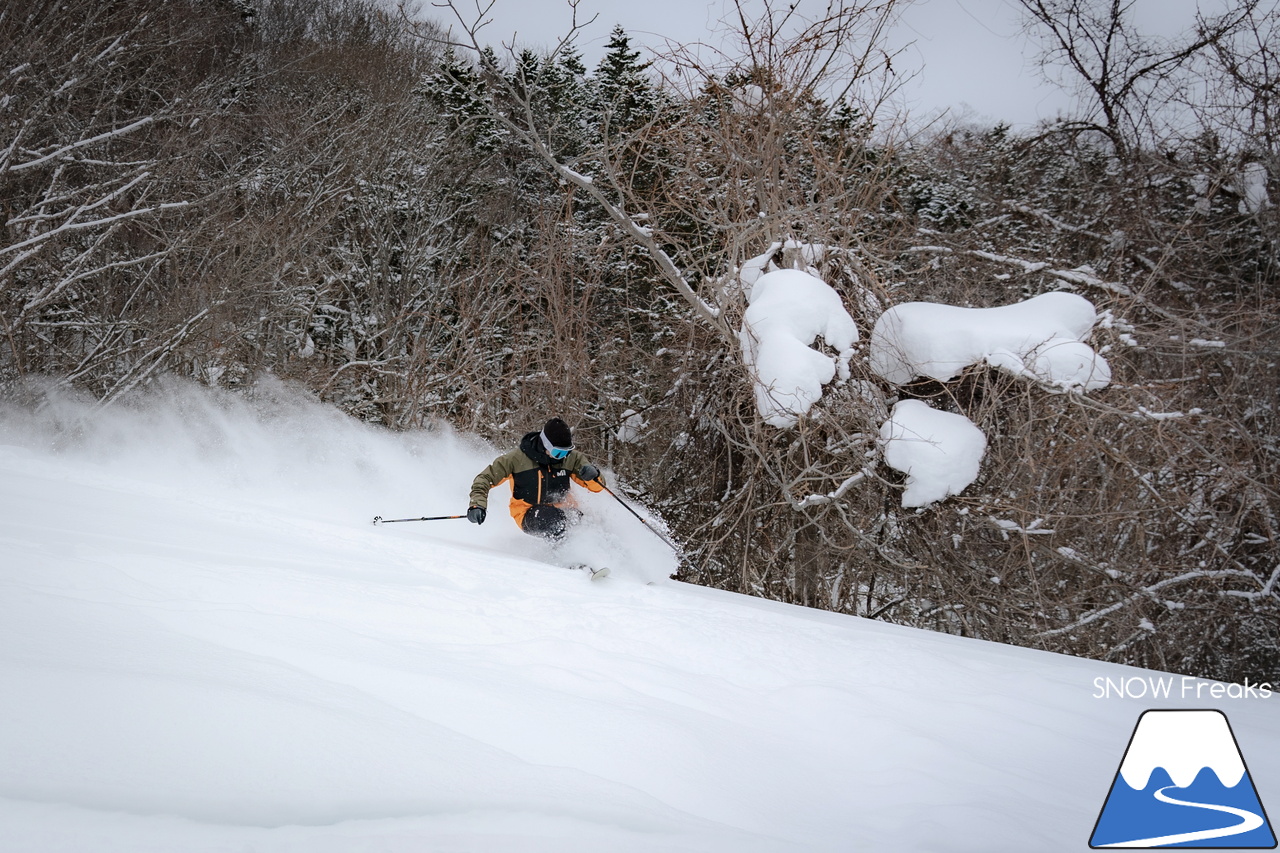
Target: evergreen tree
561, 97
459, 93
627, 97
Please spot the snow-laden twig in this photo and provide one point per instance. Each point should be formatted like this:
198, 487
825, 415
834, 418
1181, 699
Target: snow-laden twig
83, 143
841, 491
1058, 224
371, 363
151, 361
1145, 413
1082, 276
84, 208
1005, 526
1026, 266
12, 149
1268, 588
1149, 592
68, 227
53, 289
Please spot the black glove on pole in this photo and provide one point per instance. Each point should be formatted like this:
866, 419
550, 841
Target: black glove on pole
476, 515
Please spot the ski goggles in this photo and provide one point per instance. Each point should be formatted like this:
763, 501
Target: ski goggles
560, 452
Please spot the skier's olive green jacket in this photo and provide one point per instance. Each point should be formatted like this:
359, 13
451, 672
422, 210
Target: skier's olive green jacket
535, 477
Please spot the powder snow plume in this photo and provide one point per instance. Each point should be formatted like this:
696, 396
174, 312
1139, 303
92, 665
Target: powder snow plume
275, 448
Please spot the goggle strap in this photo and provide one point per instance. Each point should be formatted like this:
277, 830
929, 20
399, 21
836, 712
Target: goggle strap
553, 451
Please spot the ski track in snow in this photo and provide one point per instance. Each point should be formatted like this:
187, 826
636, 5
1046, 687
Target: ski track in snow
206, 646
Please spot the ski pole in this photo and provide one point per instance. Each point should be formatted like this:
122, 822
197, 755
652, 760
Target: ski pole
680, 555
377, 519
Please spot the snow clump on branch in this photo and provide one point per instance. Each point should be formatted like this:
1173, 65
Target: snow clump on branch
939, 452
1251, 184
787, 311
1041, 339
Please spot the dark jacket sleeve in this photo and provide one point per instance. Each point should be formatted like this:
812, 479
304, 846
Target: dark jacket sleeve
497, 471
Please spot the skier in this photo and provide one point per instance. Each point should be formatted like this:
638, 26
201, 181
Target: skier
540, 471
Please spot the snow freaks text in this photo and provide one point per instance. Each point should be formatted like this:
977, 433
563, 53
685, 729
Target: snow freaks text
1176, 687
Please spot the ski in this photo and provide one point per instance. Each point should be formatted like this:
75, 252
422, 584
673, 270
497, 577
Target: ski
596, 574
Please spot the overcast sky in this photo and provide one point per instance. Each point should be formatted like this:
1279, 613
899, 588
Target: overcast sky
970, 55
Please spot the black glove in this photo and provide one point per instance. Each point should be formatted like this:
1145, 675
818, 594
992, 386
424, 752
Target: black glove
475, 515
588, 472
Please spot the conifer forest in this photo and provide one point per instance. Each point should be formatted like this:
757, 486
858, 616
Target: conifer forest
429, 229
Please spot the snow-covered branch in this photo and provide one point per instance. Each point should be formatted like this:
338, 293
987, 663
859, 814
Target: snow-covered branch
153, 360
1083, 276
1148, 593
1056, 223
642, 234
65, 150
830, 497
1005, 526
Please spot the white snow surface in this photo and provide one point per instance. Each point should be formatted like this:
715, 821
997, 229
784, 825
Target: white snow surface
1183, 743
788, 311
1041, 339
940, 452
206, 646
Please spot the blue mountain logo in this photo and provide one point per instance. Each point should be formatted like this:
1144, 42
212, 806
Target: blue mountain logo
1183, 783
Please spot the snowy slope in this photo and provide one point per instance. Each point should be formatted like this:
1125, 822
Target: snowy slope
206, 646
